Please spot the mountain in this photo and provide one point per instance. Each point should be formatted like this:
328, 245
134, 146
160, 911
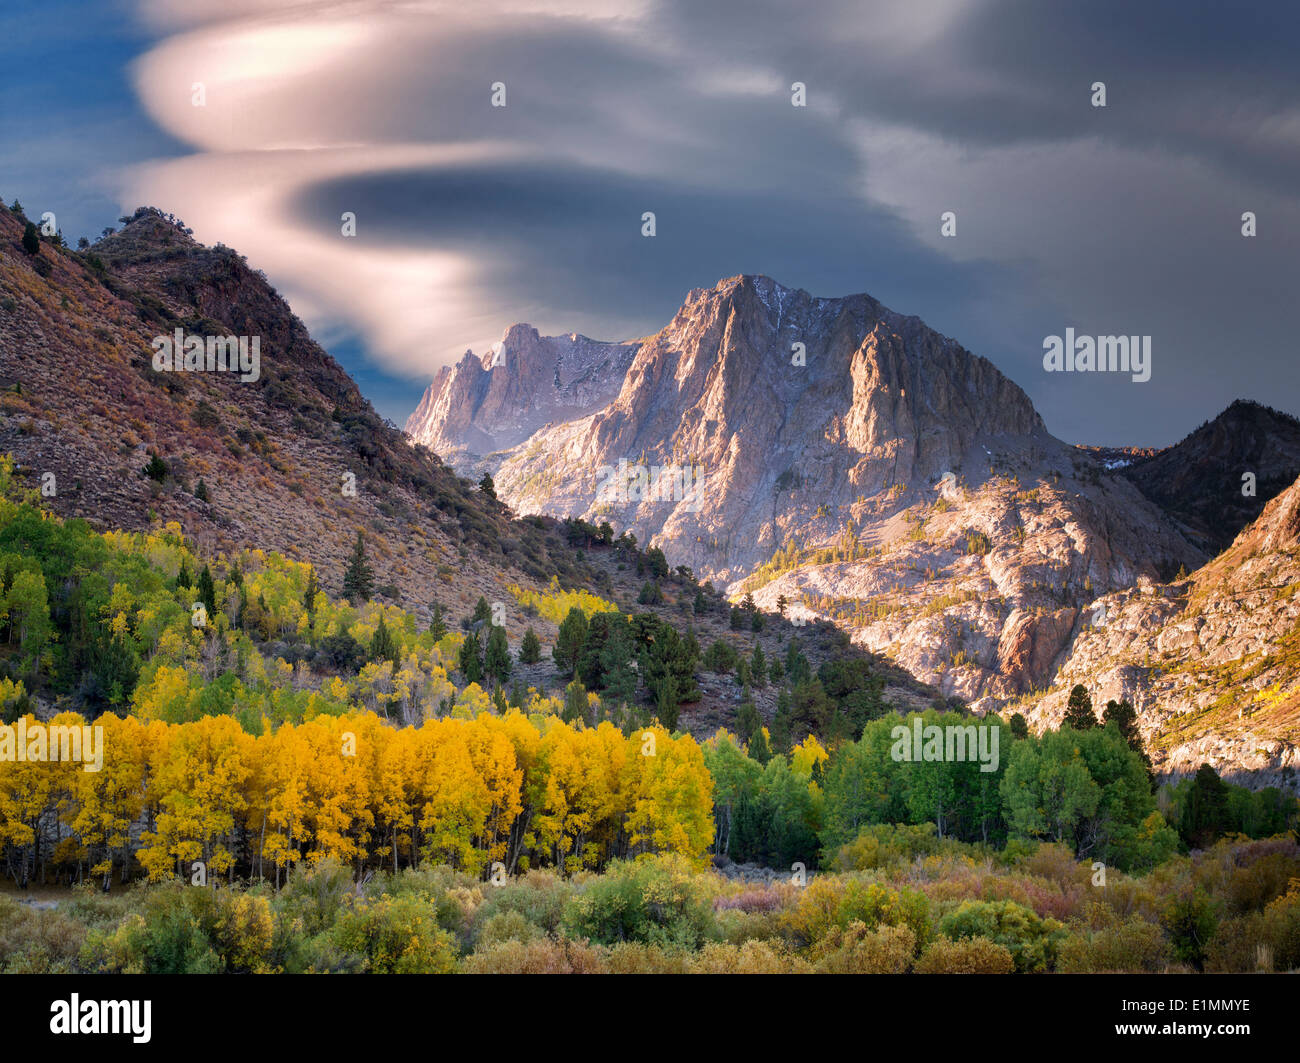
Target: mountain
1201, 480
862, 466
1210, 663
526, 381
295, 460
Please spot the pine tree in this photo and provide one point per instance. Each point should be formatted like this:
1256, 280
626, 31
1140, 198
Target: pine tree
207, 591
567, 651
497, 663
530, 650
313, 589
471, 659
31, 239
487, 486
758, 667
575, 703
383, 647
482, 612
359, 577
781, 722
437, 626
183, 577
201, 492
1078, 712
781, 602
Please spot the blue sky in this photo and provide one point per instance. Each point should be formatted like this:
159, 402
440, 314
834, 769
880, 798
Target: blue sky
1115, 220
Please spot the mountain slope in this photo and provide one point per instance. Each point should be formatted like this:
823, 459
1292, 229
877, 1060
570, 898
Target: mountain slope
1211, 663
865, 467
1199, 481
274, 454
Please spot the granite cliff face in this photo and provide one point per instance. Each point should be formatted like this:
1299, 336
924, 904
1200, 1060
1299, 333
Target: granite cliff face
859, 465
526, 381
1211, 663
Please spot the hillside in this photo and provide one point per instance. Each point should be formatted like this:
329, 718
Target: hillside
1202, 481
1210, 663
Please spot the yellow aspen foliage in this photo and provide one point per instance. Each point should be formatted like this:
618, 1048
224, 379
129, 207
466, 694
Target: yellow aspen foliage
202, 772
671, 795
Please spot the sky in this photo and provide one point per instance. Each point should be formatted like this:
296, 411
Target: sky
1117, 220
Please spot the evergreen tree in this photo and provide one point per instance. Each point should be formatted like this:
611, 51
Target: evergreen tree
781, 602
1078, 712
437, 626
499, 700
575, 702
758, 667
1019, 728
530, 650
31, 239
701, 604
737, 619
482, 612
487, 486
471, 659
313, 589
497, 664
567, 651
781, 722
207, 591
156, 470
201, 492
383, 647
183, 577
650, 594
359, 577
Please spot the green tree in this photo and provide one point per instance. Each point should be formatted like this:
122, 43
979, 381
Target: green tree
758, 667
487, 486
1078, 711
31, 239
497, 663
530, 650
437, 626
471, 658
383, 647
569, 642
312, 589
183, 577
201, 492
207, 591
358, 577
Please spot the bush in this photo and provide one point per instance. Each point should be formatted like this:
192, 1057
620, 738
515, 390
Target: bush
1131, 946
968, 956
857, 950
753, 957
395, 935
1031, 940
536, 957
655, 900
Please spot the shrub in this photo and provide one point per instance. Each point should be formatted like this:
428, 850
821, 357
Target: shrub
857, 950
752, 957
975, 955
536, 957
655, 900
1131, 946
1031, 940
395, 935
